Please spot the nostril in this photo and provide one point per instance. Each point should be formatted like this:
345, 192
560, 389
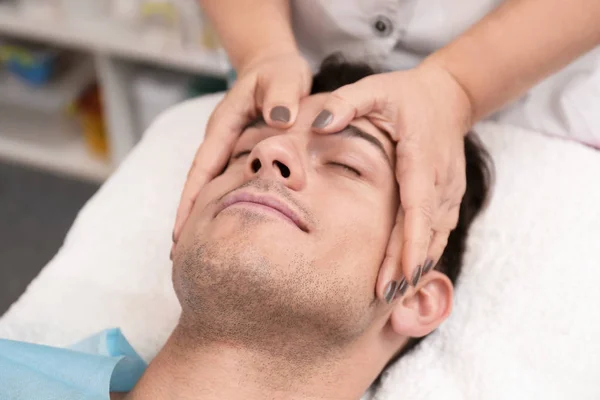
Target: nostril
285, 171
255, 165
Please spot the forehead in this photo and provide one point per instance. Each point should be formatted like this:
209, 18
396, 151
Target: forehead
311, 106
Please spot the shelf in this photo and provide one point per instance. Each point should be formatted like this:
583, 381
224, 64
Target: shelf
112, 39
53, 97
48, 142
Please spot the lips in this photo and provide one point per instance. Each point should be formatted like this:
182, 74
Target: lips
265, 201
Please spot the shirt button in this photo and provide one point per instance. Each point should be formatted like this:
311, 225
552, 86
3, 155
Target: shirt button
383, 26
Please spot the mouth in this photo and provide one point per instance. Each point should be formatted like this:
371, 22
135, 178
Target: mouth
268, 204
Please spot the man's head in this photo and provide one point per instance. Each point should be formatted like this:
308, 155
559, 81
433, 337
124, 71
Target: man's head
282, 250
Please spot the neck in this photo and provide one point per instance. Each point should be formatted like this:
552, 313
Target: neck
186, 369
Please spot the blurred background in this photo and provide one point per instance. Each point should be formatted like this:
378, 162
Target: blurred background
80, 81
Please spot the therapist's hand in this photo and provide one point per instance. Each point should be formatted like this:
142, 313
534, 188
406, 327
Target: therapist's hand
271, 84
427, 113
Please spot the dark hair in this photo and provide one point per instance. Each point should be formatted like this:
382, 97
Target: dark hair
334, 73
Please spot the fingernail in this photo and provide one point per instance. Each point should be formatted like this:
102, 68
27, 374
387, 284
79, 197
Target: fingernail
390, 291
428, 266
323, 119
402, 288
280, 114
417, 276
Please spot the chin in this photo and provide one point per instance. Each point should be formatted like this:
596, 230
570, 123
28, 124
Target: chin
255, 239
257, 286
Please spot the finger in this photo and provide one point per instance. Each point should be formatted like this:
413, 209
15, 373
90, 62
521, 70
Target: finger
281, 98
417, 232
222, 130
446, 223
210, 160
390, 282
350, 102
417, 196
436, 249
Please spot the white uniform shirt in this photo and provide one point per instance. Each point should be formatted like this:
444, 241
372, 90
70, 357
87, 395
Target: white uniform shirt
398, 34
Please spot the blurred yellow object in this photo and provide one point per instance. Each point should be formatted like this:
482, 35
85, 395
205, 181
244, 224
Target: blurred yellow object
163, 11
163, 8
210, 40
16, 54
89, 107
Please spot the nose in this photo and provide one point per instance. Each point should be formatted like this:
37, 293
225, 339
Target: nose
277, 158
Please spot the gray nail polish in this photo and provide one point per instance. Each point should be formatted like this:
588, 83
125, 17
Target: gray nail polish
428, 266
280, 114
417, 276
402, 288
323, 119
390, 291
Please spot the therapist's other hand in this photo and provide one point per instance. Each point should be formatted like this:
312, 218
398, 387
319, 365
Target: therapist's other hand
427, 113
271, 84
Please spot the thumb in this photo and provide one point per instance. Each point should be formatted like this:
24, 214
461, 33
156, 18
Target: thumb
281, 98
350, 102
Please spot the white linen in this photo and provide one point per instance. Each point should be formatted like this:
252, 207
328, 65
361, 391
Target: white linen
524, 325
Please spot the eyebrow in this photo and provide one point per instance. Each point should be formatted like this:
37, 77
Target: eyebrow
257, 122
349, 131
352, 131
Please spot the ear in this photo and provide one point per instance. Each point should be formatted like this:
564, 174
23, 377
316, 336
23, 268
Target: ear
422, 309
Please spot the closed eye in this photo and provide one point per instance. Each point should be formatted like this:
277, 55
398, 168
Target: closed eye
345, 167
240, 154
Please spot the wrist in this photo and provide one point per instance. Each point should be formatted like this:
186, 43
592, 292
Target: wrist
458, 94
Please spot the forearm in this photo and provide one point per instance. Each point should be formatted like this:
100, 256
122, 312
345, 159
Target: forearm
516, 46
251, 28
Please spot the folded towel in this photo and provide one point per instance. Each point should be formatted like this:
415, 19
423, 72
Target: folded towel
524, 324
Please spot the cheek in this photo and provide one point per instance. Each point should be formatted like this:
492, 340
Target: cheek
355, 234
203, 206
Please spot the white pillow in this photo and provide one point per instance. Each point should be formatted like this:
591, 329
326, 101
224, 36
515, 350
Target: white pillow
524, 325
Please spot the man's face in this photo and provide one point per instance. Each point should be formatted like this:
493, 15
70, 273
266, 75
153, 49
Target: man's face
290, 238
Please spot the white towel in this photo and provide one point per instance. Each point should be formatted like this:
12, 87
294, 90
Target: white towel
525, 323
